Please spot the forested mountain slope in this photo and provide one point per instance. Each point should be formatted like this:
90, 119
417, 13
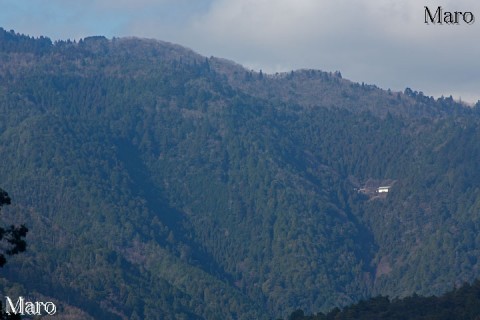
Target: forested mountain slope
160, 184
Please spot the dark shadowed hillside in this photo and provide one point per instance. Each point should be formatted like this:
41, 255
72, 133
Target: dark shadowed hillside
160, 184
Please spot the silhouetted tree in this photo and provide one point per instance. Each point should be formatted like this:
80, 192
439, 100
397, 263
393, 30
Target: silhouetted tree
13, 236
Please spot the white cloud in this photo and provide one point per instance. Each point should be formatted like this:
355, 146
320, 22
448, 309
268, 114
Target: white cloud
378, 41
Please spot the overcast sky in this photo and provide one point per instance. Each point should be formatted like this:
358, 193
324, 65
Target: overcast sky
382, 42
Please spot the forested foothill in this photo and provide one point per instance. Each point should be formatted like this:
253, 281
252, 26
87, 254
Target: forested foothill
459, 304
160, 184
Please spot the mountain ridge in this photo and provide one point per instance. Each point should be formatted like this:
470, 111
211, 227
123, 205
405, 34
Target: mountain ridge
160, 184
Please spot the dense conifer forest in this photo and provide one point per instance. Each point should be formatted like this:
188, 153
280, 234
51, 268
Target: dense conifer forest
160, 184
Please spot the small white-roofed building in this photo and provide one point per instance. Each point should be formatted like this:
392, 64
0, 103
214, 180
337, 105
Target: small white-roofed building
383, 189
